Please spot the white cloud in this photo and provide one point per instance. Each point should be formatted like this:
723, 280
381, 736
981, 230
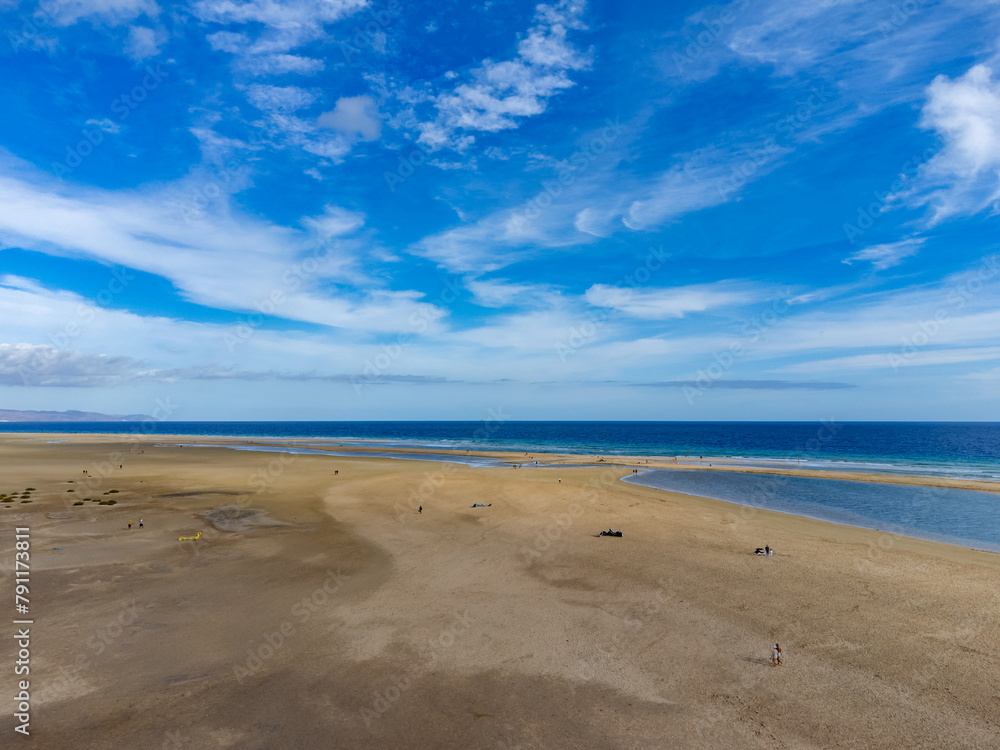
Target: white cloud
355, 117
228, 41
287, 23
499, 239
567, 211
872, 56
334, 148
226, 259
259, 63
270, 31
546, 44
677, 302
330, 136
21, 283
582, 207
958, 312
887, 255
502, 92
279, 64
894, 359
144, 42
502, 293
862, 44
108, 126
525, 332
963, 178
790, 36
989, 377
597, 221
700, 180
335, 222
113, 12
279, 98
64, 321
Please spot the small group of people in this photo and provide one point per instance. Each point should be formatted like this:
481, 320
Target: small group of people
609, 532
764, 551
140, 524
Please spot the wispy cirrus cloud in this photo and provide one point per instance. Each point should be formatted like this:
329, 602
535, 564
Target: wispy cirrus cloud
871, 49
504, 292
227, 260
887, 255
677, 302
699, 180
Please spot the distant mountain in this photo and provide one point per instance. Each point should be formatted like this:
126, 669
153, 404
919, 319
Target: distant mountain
9, 415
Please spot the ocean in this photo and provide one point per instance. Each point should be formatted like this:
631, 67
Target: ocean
959, 450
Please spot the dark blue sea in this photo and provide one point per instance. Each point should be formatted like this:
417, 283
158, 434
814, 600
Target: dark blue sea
961, 450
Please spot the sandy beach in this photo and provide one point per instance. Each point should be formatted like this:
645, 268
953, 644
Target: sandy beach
320, 608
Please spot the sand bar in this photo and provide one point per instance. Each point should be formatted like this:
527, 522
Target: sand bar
339, 616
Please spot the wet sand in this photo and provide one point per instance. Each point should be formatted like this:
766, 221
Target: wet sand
322, 610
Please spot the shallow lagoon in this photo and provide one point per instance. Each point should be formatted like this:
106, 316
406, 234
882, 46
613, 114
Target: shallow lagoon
963, 517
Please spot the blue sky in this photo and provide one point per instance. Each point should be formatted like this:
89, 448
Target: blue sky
388, 210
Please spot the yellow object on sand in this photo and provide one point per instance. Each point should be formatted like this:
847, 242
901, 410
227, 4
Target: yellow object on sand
185, 538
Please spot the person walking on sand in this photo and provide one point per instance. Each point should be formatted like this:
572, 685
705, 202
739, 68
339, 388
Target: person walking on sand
420, 509
775, 655
130, 524
140, 523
